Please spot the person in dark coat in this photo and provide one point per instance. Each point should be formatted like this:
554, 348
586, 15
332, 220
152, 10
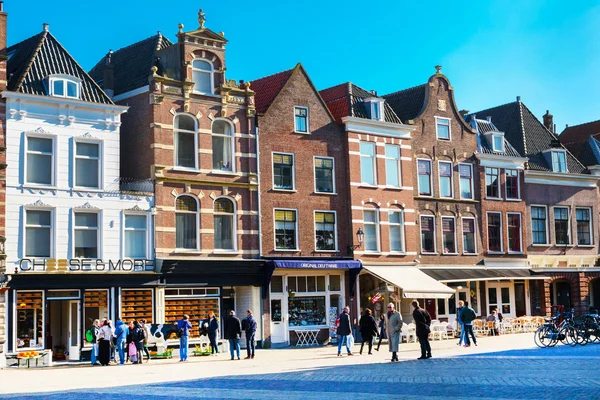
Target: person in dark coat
344, 330
250, 326
233, 333
212, 329
422, 322
382, 333
368, 330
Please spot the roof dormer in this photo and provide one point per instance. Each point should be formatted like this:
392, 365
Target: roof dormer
374, 107
495, 140
64, 86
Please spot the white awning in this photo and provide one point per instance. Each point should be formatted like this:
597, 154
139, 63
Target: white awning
415, 284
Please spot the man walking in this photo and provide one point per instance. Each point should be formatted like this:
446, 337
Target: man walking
393, 325
467, 315
344, 330
423, 322
233, 332
183, 331
250, 328
121, 332
461, 340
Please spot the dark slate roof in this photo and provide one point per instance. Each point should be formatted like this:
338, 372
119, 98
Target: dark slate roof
580, 133
527, 135
408, 103
267, 88
483, 126
347, 99
34, 59
132, 64
588, 152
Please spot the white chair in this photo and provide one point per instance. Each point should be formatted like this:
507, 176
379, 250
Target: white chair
404, 333
412, 331
439, 331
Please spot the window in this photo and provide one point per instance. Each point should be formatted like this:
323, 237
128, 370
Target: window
186, 223
301, 119
283, 171
561, 225
494, 220
285, 230
87, 165
559, 161
538, 225
375, 109
65, 87
392, 165
465, 172
224, 224
367, 163
186, 141
445, 171
86, 235
584, 228
324, 173
498, 143
136, 236
424, 172
442, 126
492, 183
371, 224
448, 235
222, 145
30, 320
202, 75
40, 161
325, 231
396, 222
514, 232
427, 234
512, 184
38, 233
468, 228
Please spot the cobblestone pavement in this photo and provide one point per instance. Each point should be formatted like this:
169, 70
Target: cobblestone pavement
507, 367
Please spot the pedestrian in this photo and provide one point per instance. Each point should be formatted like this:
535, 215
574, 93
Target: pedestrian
212, 329
104, 339
121, 332
344, 331
233, 333
493, 318
113, 342
249, 326
146, 327
93, 338
382, 333
461, 340
393, 326
368, 329
138, 338
183, 331
422, 322
130, 347
467, 315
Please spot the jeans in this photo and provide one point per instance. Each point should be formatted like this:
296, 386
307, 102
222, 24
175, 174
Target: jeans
425, 346
462, 334
94, 353
214, 345
250, 344
469, 331
183, 347
234, 344
121, 346
341, 338
145, 348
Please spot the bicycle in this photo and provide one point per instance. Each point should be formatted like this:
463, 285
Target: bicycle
559, 328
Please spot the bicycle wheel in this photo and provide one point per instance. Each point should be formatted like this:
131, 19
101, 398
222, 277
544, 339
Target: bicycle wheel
570, 335
582, 337
543, 337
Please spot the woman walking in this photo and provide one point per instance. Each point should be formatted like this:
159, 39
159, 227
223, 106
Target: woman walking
104, 336
382, 332
368, 330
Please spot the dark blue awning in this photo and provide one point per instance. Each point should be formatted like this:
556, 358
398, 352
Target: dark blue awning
315, 264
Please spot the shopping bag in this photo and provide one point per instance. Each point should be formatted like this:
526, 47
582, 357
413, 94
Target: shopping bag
350, 340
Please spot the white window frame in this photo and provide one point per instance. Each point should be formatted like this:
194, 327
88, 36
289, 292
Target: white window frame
375, 103
402, 229
474, 235
332, 174
39, 346
100, 162
176, 146
197, 212
494, 136
398, 165
211, 73
232, 144
307, 132
437, 135
52, 229
518, 198
293, 189
547, 241
234, 223
335, 228
99, 230
124, 229
501, 232
295, 229
591, 226
498, 183
430, 178
65, 80
453, 218
434, 234
471, 181
377, 224
373, 161
564, 153
569, 232
509, 251
53, 162
451, 179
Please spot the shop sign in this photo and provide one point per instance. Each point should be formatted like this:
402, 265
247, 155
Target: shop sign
51, 265
395, 297
376, 298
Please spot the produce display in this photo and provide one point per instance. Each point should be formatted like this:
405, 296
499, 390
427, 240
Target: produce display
28, 354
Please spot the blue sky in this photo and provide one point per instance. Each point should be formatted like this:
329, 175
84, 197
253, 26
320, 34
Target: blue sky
547, 52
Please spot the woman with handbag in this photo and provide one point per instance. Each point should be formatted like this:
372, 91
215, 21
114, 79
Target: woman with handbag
368, 329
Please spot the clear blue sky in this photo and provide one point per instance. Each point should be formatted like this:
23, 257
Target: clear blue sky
548, 52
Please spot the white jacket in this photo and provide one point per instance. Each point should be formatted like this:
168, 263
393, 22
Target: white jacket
104, 333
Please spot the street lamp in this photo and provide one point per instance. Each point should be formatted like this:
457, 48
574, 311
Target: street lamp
360, 237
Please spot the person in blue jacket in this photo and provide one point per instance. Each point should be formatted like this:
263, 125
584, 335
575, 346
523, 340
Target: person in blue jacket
212, 329
121, 332
183, 331
249, 326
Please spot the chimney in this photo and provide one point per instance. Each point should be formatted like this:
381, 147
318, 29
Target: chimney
46, 26
374, 93
548, 120
488, 118
518, 98
109, 76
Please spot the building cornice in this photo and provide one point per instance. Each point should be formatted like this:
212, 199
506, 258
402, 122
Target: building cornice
496, 160
561, 178
379, 128
62, 101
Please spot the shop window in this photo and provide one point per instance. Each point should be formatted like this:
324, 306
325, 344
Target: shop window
538, 225
561, 225
186, 222
465, 172
95, 307
445, 171
396, 222
307, 311
441, 306
324, 175
335, 283
285, 230
87, 165
392, 165
224, 224
512, 184
371, 230
424, 174
325, 231
283, 171
40, 161
86, 235
427, 234
38, 233
136, 304
222, 145
494, 220
186, 141
367, 163
30, 317
136, 236
196, 304
492, 183
202, 75
277, 284
469, 235
514, 232
584, 224
449, 235
301, 119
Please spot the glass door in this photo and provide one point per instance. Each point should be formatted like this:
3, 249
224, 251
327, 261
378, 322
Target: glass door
520, 299
74, 331
501, 298
278, 320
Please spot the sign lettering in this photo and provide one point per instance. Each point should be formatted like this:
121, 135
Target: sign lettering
51, 265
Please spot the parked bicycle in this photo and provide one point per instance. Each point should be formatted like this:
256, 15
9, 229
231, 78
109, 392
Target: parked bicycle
560, 328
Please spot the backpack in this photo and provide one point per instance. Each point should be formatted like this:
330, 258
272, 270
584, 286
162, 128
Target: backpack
89, 336
139, 334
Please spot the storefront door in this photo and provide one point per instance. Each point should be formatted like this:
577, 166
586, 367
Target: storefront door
520, 299
74, 330
501, 298
278, 320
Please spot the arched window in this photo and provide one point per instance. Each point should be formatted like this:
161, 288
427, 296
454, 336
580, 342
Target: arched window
186, 222
202, 75
186, 141
222, 145
224, 224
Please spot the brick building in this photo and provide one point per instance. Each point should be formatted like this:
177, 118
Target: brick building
192, 131
3, 277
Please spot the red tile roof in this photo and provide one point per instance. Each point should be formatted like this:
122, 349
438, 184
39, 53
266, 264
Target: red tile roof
267, 89
336, 98
580, 133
